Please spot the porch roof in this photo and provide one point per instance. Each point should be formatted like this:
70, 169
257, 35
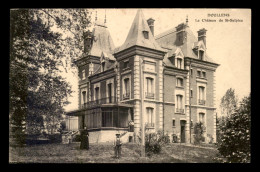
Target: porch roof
117, 105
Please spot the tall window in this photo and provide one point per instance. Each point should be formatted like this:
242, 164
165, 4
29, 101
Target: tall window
126, 93
91, 68
179, 62
149, 112
179, 106
191, 72
202, 118
202, 95
179, 82
97, 94
149, 88
83, 74
84, 97
109, 86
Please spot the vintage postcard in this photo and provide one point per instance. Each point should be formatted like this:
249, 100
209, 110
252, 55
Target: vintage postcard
126, 85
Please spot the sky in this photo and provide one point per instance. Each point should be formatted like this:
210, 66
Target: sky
228, 43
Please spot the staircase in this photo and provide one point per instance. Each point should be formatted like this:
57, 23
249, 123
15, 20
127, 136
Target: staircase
69, 136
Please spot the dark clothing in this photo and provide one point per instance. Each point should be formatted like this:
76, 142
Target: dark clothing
117, 151
84, 140
117, 144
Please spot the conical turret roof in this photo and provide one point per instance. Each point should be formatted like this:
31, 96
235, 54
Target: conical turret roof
136, 37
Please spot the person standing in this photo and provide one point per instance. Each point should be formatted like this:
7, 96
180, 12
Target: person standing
117, 144
84, 139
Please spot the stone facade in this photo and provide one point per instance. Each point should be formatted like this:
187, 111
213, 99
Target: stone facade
166, 82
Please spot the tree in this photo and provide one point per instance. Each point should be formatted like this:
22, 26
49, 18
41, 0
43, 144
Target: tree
228, 102
38, 53
234, 145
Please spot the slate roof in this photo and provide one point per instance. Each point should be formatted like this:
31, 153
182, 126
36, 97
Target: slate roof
167, 41
102, 41
135, 35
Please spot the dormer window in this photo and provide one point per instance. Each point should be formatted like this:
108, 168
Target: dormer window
201, 54
179, 61
102, 66
146, 34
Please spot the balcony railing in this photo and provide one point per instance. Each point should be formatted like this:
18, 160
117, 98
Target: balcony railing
106, 100
202, 102
149, 125
179, 110
126, 96
149, 95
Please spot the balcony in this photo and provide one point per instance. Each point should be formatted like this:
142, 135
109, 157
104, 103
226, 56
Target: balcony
93, 103
202, 102
149, 95
179, 111
149, 125
126, 96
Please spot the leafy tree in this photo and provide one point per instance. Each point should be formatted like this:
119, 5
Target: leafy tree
234, 145
228, 102
38, 53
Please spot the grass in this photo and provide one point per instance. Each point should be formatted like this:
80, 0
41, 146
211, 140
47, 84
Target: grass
104, 153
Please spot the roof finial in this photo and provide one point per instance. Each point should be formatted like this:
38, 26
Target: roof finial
96, 16
105, 16
187, 20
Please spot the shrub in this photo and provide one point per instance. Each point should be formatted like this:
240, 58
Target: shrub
77, 138
155, 141
199, 130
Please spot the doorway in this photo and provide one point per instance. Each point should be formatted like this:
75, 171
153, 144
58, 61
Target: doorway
183, 123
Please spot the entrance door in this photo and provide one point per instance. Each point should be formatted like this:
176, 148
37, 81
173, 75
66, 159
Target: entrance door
183, 131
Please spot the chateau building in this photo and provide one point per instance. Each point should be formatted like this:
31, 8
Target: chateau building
166, 82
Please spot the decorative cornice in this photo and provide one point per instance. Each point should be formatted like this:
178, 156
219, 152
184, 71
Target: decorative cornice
201, 64
102, 76
137, 50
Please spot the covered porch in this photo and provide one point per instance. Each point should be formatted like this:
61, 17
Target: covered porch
105, 117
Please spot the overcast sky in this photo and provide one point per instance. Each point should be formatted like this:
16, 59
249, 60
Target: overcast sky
228, 43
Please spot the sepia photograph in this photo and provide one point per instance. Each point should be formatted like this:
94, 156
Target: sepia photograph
129, 85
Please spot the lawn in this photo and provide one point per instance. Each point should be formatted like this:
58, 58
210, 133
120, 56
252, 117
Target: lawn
104, 153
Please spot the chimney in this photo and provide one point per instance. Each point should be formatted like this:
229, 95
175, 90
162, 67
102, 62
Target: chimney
150, 22
202, 35
181, 34
88, 37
